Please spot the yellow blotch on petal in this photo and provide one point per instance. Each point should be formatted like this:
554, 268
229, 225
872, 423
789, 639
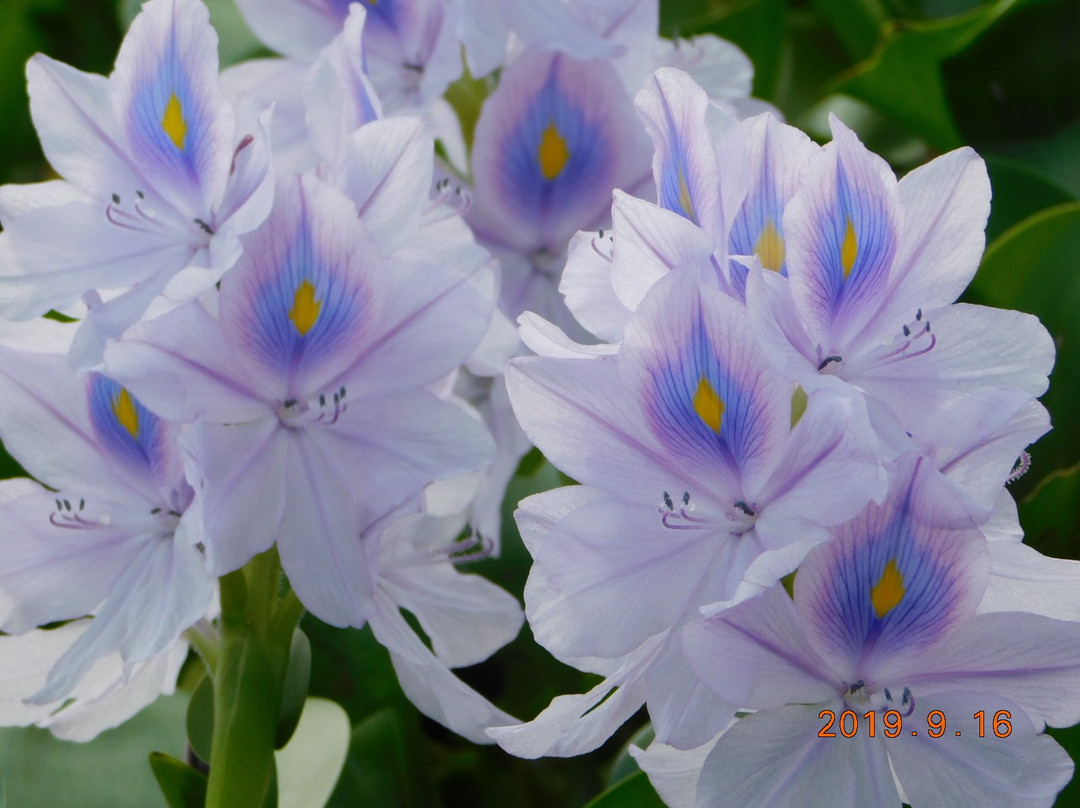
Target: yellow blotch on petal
685, 202
708, 405
888, 591
127, 416
849, 250
305, 310
770, 247
552, 152
173, 122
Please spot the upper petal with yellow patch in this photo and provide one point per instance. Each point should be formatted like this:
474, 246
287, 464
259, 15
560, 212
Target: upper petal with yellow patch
297, 300
128, 431
841, 236
179, 126
896, 579
552, 142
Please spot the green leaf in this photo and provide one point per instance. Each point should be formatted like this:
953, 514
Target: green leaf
633, 792
309, 766
1020, 191
297, 680
183, 786
1035, 267
200, 719
903, 77
376, 773
624, 764
858, 23
1051, 514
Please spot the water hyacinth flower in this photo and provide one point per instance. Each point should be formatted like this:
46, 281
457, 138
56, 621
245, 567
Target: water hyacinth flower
883, 625
160, 174
313, 374
552, 141
700, 485
873, 268
113, 536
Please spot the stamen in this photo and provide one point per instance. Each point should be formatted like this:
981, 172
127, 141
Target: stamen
605, 252
1020, 468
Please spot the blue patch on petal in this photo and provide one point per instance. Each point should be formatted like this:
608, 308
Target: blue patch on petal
856, 245
888, 590
553, 155
675, 193
125, 428
306, 310
168, 119
701, 405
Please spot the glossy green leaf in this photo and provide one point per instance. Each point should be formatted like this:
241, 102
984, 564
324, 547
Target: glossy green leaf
903, 77
297, 680
1020, 191
181, 785
1050, 515
633, 792
1035, 267
200, 719
858, 23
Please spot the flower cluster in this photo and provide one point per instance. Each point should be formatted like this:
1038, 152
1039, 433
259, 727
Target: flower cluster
278, 375
291, 342
787, 398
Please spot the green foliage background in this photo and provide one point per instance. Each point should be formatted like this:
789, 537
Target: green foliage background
915, 78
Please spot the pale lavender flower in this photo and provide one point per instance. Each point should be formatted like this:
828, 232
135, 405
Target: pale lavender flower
698, 489
160, 174
113, 536
307, 392
883, 625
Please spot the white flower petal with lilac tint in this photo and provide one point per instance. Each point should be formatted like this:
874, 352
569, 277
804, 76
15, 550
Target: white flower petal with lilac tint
684, 712
551, 143
319, 535
946, 204
338, 95
578, 723
674, 773
546, 339
720, 67
553, 25
294, 28
775, 758
160, 593
179, 127
428, 683
842, 229
1024, 580
241, 489
573, 410
756, 654
1024, 658
696, 143
387, 172
586, 285
1021, 770
632, 576
73, 116
651, 242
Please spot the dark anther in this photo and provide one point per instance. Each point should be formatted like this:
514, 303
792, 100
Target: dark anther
413, 66
907, 331
667, 502
828, 359
322, 399
140, 194
918, 314
742, 506
155, 511
290, 402
116, 199
685, 498
205, 227
856, 686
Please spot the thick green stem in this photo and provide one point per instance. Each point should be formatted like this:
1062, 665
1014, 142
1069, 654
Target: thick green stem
256, 633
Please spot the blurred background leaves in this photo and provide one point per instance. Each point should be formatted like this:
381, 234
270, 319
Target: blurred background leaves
914, 78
